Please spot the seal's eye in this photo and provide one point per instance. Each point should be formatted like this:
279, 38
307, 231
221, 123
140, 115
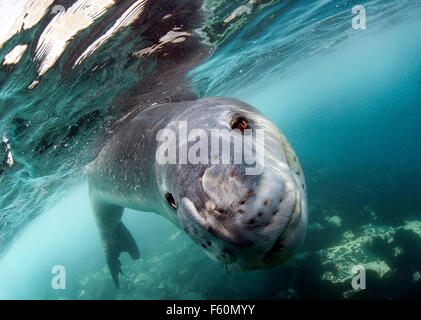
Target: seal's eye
240, 123
171, 200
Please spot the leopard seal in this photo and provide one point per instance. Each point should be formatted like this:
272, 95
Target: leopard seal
245, 221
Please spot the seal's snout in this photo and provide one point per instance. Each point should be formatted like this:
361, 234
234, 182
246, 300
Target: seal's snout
252, 221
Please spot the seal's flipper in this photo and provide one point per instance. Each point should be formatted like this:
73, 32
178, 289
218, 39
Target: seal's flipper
120, 240
114, 235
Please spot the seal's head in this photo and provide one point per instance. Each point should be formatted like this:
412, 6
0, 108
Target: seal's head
247, 210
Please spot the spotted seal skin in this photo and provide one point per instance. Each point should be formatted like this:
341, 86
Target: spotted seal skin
243, 221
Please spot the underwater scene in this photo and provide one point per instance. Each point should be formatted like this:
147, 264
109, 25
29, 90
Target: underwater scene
95, 204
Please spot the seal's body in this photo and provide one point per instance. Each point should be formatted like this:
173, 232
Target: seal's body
244, 220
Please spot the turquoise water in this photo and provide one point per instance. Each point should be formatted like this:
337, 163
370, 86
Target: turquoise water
348, 101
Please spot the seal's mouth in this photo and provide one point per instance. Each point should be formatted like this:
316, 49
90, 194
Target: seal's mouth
243, 248
265, 260
270, 256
